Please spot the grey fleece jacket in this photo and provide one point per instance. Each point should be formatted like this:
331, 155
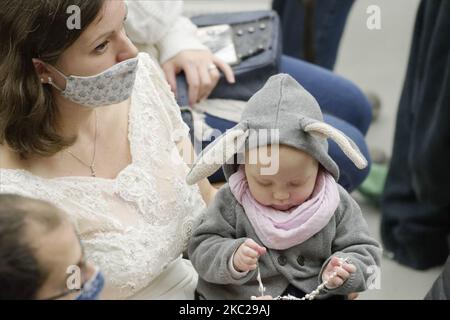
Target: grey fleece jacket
224, 226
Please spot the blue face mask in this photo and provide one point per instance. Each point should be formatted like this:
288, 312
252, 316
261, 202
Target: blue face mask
92, 288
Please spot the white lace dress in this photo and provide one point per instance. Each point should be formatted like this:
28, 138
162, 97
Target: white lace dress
134, 227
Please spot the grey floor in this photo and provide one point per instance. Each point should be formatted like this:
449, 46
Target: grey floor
376, 61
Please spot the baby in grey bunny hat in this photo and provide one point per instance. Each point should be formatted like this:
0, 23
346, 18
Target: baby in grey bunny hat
286, 217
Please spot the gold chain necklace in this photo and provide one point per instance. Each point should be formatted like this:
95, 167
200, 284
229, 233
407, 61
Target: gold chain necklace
92, 165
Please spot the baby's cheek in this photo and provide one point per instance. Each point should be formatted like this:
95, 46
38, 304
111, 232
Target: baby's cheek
264, 198
298, 199
260, 194
300, 196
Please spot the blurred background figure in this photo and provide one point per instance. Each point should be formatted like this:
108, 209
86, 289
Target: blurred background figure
416, 203
38, 246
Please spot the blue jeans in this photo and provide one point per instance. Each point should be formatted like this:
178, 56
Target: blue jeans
344, 106
328, 21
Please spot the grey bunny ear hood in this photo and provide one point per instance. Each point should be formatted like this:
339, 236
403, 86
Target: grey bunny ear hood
285, 106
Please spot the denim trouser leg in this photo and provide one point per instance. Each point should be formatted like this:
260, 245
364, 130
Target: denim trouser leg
329, 18
336, 95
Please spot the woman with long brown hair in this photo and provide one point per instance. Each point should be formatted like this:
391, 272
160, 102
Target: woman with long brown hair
90, 125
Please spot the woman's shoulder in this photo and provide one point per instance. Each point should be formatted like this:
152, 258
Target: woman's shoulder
19, 181
16, 177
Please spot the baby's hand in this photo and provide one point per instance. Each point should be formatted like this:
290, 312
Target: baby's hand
343, 273
247, 255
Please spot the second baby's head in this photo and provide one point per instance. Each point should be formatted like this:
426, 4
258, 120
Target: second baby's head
290, 185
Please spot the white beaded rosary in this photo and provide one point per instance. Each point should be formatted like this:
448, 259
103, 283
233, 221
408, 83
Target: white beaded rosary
309, 296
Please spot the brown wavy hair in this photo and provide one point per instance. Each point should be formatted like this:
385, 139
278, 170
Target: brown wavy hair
34, 29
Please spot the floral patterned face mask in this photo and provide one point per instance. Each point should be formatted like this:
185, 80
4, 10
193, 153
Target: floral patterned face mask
112, 86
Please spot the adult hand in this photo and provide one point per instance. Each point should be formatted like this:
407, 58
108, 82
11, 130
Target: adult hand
201, 68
